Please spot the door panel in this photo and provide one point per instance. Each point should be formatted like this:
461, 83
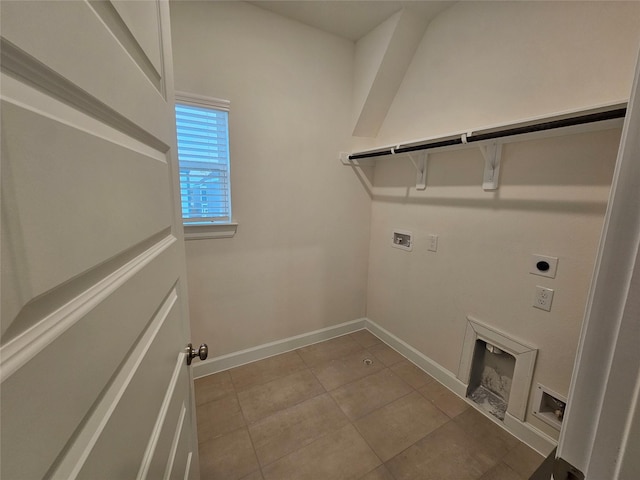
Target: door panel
39, 390
168, 429
141, 18
50, 167
72, 40
138, 401
94, 317
134, 23
180, 458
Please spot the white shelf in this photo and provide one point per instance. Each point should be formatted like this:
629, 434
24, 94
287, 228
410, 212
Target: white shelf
491, 139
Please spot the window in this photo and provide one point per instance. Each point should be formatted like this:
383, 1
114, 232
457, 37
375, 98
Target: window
203, 156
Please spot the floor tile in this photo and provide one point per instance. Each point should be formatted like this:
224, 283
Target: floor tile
396, 426
386, 354
290, 429
213, 387
365, 338
229, 457
264, 371
444, 399
340, 455
219, 417
339, 371
322, 352
263, 400
380, 473
545, 470
373, 391
292, 414
446, 453
493, 437
501, 472
411, 374
523, 459
257, 475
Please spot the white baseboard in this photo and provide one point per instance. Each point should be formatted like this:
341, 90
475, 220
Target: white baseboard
231, 360
526, 433
438, 372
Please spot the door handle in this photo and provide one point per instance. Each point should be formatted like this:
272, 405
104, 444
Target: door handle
202, 352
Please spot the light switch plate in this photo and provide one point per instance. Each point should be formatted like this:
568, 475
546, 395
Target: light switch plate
432, 245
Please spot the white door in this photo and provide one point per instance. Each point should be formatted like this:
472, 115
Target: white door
94, 321
600, 432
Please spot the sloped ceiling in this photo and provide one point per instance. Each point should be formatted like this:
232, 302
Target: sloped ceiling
381, 62
348, 18
386, 35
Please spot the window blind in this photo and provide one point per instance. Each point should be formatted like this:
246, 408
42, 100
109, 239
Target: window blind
203, 157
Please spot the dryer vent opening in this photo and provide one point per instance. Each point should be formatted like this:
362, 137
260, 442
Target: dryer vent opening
497, 370
491, 378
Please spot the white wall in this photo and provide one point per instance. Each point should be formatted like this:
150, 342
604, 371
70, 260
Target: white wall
299, 259
484, 63
369, 55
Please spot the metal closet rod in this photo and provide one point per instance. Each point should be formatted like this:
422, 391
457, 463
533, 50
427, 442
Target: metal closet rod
508, 132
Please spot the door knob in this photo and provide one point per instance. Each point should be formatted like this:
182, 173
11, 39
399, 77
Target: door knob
202, 352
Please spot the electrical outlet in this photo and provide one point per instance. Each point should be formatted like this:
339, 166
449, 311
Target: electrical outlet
433, 243
544, 266
543, 298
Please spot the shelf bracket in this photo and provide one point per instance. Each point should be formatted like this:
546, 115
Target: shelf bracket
492, 154
421, 170
344, 158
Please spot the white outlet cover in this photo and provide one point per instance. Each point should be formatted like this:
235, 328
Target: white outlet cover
537, 260
543, 298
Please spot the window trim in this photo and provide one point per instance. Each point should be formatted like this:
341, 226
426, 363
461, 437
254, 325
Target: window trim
210, 230
198, 231
202, 101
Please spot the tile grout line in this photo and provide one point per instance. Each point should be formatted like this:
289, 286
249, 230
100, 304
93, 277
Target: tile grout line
350, 421
370, 448
328, 392
305, 445
246, 425
253, 446
290, 406
325, 392
302, 367
349, 335
381, 406
414, 390
296, 449
436, 406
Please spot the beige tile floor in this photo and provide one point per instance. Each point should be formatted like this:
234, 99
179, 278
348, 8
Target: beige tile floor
321, 413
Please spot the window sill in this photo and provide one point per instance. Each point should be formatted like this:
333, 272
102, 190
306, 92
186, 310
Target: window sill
208, 231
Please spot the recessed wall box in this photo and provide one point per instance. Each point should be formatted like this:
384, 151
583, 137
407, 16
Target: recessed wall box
544, 266
402, 239
548, 406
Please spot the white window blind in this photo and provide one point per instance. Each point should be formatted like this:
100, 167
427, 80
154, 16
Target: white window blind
203, 156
